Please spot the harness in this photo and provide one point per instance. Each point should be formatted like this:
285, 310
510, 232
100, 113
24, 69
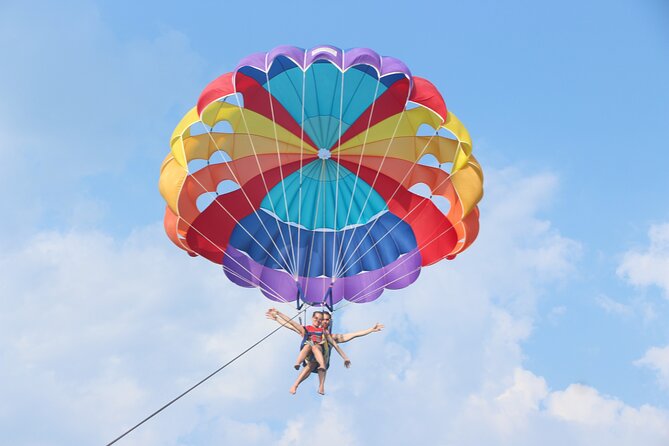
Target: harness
310, 331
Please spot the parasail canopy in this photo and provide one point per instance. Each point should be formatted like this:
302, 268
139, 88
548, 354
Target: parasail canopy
321, 174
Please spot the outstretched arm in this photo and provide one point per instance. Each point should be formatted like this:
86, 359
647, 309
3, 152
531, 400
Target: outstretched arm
347, 362
284, 320
341, 338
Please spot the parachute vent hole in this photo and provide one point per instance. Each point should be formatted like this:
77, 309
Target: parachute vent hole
198, 129
206, 199
226, 186
219, 157
429, 160
441, 203
445, 133
426, 130
222, 127
234, 99
446, 167
423, 190
411, 105
196, 164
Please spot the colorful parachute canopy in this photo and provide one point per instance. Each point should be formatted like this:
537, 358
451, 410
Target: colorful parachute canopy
311, 173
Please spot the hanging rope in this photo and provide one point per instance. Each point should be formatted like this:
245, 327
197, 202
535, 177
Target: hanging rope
201, 381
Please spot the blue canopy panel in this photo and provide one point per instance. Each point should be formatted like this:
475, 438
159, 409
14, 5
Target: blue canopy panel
324, 195
327, 112
323, 253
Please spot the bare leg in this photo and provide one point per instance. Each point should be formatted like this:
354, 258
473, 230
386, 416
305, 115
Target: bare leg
302, 356
318, 354
304, 374
321, 381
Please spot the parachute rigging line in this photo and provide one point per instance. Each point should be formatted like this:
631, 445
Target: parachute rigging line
264, 180
165, 406
270, 290
278, 154
326, 149
231, 216
236, 180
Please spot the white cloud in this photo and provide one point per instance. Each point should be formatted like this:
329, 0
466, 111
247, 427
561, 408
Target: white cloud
528, 413
649, 267
333, 425
638, 306
98, 326
613, 306
511, 410
583, 405
657, 359
610, 419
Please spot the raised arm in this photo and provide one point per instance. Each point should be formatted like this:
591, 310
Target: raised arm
284, 320
345, 337
347, 362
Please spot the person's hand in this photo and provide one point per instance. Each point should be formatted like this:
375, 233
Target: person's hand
347, 363
378, 327
271, 314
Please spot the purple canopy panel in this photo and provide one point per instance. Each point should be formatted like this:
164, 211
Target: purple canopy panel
297, 55
325, 52
281, 286
357, 56
241, 269
343, 59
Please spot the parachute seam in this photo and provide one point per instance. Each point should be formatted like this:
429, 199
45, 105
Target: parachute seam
311, 249
237, 221
299, 204
357, 178
399, 184
283, 187
218, 150
378, 171
402, 219
404, 260
262, 175
236, 179
341, 114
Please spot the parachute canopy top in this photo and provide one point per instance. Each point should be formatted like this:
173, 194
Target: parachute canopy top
323, 172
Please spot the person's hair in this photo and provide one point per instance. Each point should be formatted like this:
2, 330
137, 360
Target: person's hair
316, 312
326, 312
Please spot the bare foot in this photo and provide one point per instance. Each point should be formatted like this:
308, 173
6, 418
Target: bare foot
296, 367
321, 391
293, 390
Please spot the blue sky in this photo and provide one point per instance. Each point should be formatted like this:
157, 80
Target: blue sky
554, 322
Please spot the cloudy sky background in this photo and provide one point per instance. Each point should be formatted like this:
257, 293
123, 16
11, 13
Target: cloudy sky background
550, 330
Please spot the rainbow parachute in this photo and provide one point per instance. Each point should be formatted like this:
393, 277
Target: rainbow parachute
321, 175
